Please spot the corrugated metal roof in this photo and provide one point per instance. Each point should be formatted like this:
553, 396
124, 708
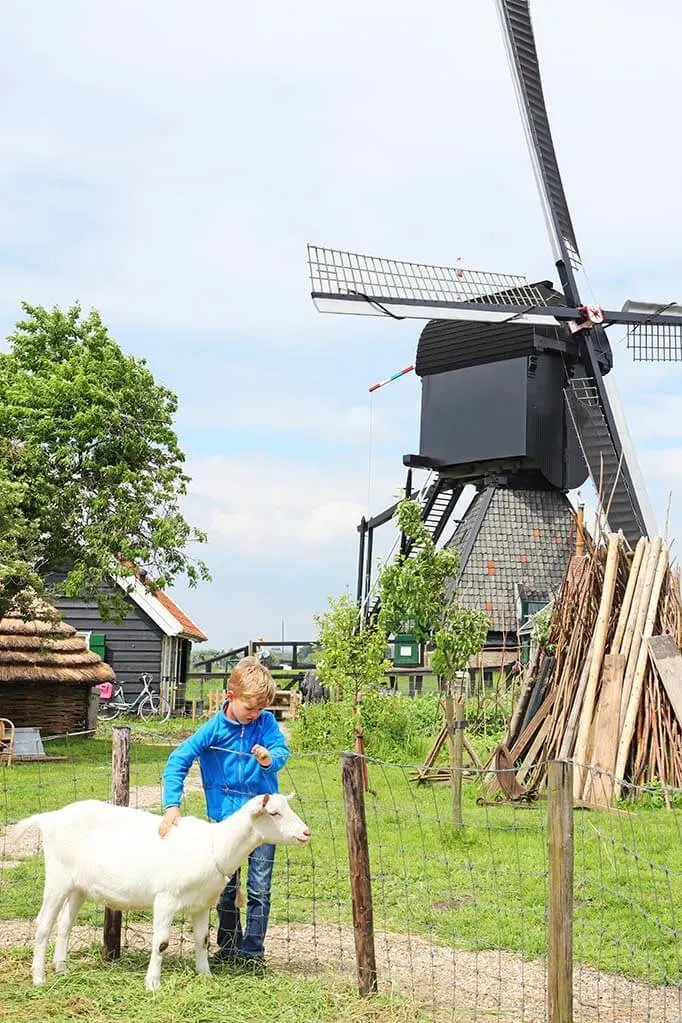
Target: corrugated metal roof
526, 539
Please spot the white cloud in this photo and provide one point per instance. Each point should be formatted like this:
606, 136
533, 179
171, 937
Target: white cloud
657, 417
290, 412
168, 165
261, 506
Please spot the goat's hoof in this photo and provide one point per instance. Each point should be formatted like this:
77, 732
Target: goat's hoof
38, 979
60, 967
152, 983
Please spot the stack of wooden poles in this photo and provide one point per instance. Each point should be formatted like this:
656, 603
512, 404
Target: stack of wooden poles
606, 690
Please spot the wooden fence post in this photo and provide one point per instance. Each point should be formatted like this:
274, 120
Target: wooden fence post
359, 870
560, 893
120, 796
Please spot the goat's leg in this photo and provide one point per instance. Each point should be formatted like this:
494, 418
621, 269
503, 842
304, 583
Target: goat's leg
200, 925
64, 924
164, 911
53, 900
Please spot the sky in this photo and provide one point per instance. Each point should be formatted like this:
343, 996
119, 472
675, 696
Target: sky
167, 164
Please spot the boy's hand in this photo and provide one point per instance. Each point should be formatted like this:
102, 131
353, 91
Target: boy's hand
262, 756
171, 817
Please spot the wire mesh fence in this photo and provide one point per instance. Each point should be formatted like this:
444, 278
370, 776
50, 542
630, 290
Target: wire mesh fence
458, 916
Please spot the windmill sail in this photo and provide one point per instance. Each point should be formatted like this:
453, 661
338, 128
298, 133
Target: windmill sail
623, 496
350, 282
519, 40
607, 451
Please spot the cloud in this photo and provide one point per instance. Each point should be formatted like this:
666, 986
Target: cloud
168, 166
261, 412
656, 417
264, 506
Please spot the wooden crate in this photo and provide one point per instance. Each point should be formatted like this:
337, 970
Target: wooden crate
285, 704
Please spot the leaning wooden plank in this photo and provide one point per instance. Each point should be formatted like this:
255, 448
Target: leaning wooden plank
628, 597
668, 663
598, 790
635, 629
568, 738
526, 737
600, 638
628, 729
529, 764
505, 774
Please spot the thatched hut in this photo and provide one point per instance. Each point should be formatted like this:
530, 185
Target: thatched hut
46, 675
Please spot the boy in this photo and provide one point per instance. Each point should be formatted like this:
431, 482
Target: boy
240, 751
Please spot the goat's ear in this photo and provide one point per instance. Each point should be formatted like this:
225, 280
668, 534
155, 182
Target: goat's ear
288, 795
261, 804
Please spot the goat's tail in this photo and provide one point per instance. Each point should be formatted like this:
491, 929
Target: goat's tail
21, 827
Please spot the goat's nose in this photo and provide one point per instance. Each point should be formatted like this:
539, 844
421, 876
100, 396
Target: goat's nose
306, 832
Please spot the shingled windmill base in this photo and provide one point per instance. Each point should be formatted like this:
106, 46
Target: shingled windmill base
514, 546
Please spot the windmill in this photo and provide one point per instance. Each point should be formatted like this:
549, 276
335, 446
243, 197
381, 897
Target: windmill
516, 393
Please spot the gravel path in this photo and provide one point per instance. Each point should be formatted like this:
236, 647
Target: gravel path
478, 986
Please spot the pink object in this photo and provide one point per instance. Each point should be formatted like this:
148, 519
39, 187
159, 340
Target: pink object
106, 690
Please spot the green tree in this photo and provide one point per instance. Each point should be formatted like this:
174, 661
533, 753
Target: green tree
350, 660
419, 589
91, 473
200, 655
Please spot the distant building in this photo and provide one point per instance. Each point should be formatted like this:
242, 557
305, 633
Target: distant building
155, 637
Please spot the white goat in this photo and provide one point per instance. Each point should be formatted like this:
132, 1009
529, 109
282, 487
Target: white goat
115, 855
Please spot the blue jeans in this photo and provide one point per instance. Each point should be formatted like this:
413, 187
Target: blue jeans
249, 943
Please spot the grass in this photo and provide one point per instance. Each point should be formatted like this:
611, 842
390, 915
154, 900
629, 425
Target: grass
103, 993
483, 887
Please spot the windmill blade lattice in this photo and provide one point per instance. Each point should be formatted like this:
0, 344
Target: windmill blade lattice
654, 342
335, 273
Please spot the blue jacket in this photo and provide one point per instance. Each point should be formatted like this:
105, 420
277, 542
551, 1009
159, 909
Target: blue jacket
230, 773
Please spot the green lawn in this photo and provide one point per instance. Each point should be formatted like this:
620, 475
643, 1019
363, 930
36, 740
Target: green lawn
481, 888
98, 992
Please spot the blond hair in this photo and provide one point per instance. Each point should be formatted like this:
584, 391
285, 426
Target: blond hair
250, 678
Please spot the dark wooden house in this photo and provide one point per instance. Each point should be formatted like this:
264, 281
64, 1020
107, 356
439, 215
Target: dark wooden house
46, 675
155, 637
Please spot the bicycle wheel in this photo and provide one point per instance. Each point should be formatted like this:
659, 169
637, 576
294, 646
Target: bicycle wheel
164, 708
154, 705
108, 711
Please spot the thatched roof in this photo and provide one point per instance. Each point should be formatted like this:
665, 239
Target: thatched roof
47, 651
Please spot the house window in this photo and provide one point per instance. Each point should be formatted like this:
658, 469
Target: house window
96, 642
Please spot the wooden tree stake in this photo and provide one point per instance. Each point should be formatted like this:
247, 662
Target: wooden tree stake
454, 716
359, 869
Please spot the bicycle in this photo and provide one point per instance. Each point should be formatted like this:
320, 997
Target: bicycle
147, 703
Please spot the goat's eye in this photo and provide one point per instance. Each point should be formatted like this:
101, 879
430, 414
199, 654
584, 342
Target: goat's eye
275, 813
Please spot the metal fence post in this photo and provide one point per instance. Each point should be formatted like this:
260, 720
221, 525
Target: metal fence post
120, 796
560, 893
359, 870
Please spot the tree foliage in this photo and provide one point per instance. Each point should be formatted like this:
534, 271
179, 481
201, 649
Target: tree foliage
419, 589
350, 661
91, 473
413, 589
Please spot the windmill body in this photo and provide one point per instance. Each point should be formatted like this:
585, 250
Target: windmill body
515, 397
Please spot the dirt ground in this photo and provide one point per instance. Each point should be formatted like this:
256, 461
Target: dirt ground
474, 986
